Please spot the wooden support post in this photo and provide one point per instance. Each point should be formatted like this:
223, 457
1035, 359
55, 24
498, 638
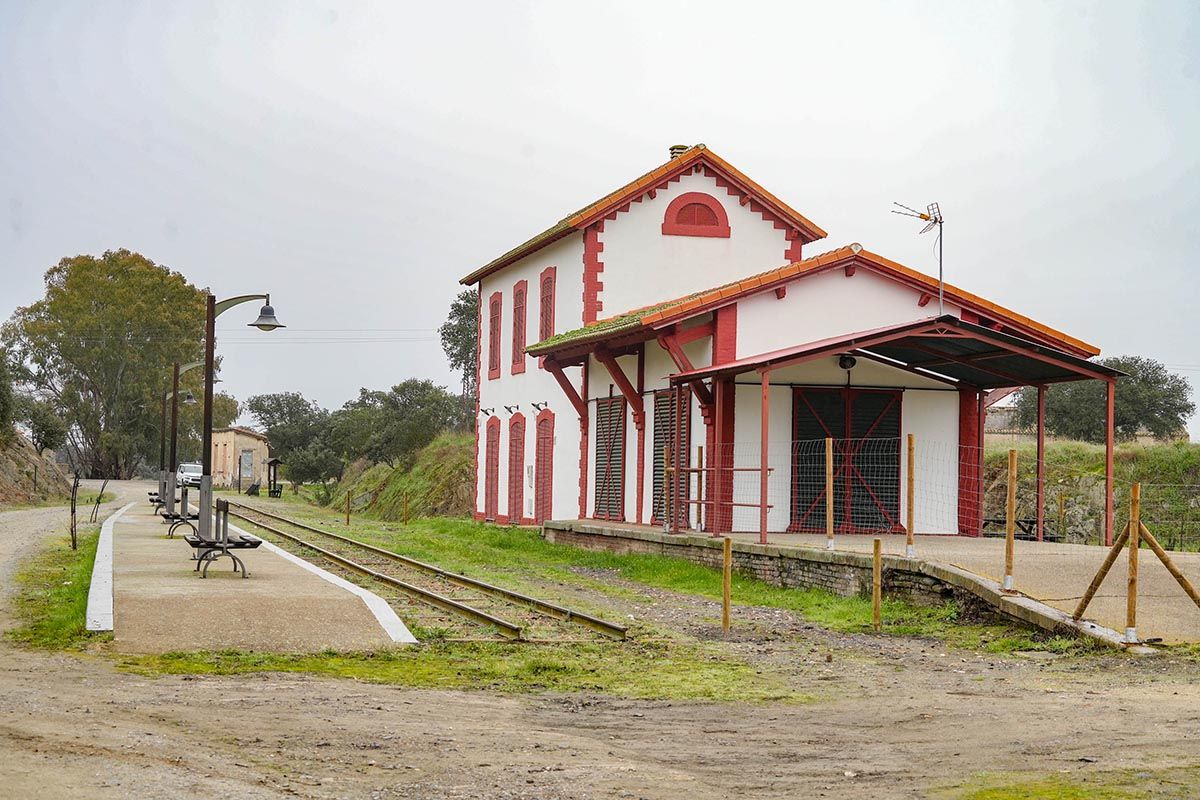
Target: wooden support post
877, 586
347, 507
1010, 521
1179, 577
828, 493
1041, 462
699, 487
910, 548
1110, 433
1135, 529
1101, 573
405, 509
764, 435
726, 583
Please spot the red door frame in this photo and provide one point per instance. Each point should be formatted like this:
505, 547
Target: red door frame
516, 469
543, 466
848, 443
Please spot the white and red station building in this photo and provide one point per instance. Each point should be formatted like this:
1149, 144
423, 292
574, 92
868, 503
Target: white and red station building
685, 310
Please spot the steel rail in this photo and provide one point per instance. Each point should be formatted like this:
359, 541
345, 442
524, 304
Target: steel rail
549, 609
506, 628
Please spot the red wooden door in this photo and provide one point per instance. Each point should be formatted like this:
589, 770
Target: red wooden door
516, 469
491, 476
543, 468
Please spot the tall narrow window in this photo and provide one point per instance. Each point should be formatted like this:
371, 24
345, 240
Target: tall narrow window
546, 291
494, 335
518, 337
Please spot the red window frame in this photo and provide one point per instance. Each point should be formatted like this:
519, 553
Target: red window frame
495, 306
516, 468
547, 281
679, 221
520, 301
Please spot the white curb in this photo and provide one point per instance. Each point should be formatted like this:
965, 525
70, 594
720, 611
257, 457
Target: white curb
100, 593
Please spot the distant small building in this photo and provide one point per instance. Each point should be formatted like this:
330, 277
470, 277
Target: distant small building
239, 457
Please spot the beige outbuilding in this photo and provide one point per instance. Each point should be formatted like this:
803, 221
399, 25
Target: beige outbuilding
239, 457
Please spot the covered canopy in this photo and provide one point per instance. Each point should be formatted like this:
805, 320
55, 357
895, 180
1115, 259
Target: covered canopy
943, 348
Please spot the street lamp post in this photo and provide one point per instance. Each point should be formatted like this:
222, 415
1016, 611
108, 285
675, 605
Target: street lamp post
266, 322
170, 478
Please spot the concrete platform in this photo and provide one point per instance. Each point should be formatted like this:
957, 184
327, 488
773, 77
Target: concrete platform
1055, 574
160, 604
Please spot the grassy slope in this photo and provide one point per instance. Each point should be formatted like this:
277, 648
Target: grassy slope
50, 604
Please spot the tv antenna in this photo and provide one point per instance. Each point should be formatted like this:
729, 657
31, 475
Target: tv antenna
933, 219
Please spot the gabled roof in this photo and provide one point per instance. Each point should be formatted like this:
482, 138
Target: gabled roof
662, 314
693, 156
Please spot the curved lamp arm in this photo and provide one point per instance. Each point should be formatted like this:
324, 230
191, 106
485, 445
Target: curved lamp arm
224, 305
185, 368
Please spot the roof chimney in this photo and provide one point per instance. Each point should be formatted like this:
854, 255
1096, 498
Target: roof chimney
678, 149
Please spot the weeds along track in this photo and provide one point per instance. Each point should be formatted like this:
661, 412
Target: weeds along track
437, 601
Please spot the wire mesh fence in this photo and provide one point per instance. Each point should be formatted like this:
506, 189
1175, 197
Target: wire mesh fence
861, 486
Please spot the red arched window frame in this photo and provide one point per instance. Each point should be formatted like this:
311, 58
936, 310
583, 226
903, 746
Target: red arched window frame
696, 214
543, 466
494, 306
520, 302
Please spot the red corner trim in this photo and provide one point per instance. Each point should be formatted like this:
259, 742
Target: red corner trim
672, 227
495, 314
793, 253
622, 381
520, 325
725, 335
478, 381
592, 267
584, 429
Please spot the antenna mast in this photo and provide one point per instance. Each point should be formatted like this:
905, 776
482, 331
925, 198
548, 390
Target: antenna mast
933, 219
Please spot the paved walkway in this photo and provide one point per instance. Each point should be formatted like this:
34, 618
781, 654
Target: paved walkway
1056, 574
161, 605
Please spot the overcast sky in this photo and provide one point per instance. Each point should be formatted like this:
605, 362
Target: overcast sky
357, 159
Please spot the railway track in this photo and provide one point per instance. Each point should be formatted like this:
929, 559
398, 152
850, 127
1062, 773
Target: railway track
452, 598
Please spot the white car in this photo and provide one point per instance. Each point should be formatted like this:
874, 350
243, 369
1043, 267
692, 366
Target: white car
189, 474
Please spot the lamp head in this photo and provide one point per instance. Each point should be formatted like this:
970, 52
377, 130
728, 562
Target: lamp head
189, 399
266, 319
847, 362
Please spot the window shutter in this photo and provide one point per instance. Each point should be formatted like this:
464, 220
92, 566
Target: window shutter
516, 469
610, 459
494, 336
546, 318
518, 334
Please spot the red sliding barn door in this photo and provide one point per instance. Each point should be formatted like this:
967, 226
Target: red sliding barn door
865, 427
491, 474
543, 468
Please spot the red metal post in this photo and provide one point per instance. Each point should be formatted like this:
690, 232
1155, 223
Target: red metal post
762, 456
1110, 425
1041, 461
979, 509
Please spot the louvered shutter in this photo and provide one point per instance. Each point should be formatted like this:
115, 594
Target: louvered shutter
609, 499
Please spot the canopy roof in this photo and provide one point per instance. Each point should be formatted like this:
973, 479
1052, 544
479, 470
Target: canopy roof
943, 348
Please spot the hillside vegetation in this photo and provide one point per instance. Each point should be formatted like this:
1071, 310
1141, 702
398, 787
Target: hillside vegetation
439, 483
18, 463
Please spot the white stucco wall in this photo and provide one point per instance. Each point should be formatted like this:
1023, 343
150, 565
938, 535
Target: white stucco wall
535, 384
642, 266
824, 305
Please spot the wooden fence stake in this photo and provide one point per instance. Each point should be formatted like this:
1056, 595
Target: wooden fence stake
726, 583
910, 548
1062, 517
1179, 577
877, 586
1010, 521
1101, 573
404, 511
828, 493
347, 507
1135, 529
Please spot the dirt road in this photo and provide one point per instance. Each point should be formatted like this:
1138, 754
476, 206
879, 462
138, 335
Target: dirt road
893, 718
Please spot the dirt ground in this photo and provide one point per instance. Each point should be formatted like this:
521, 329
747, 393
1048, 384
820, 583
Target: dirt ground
892, 718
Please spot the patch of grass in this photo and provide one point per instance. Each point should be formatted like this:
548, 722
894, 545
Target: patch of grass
51, 599
665, 670
1175, 782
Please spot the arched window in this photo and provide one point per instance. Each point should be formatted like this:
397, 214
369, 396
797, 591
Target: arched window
696, 214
